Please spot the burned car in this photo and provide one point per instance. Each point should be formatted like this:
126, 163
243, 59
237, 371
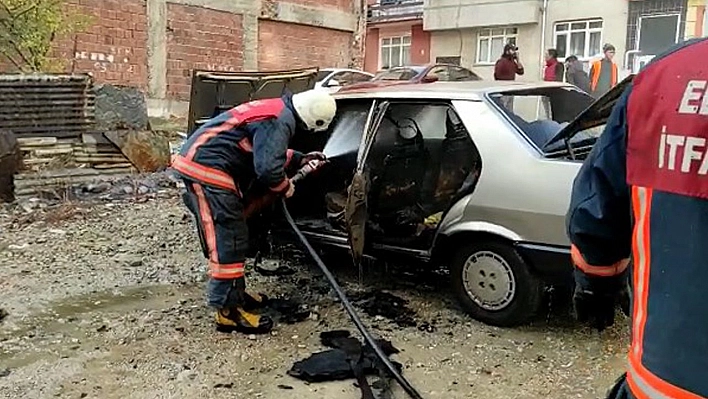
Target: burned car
472, 175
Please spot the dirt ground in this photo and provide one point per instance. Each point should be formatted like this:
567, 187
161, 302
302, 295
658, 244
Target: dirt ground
106, 301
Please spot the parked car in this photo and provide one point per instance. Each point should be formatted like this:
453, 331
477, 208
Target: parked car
419, 74
332, 79
471, 175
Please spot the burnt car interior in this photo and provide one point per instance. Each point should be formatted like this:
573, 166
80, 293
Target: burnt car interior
542, 112
421, 161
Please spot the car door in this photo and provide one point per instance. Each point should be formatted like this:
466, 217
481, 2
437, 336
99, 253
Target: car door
356, 210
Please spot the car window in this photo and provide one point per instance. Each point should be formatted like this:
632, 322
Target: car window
459, 74
542, 113
396, 74
442, 73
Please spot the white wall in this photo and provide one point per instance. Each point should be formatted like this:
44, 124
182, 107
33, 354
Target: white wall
463, 42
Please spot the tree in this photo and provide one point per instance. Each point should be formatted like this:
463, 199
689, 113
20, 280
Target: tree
28, 28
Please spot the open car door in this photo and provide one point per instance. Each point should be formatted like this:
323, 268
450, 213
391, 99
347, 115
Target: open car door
215, 92
356, 211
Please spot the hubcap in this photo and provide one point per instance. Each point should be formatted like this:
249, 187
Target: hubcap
488, 280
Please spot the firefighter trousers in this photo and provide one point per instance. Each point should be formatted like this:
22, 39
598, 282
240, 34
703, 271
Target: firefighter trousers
223, 234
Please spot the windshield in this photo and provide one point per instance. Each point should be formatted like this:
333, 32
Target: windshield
321, 75
541, 113
398, 74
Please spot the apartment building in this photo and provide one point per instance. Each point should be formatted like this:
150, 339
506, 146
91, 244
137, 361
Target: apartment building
476, 30
395, 35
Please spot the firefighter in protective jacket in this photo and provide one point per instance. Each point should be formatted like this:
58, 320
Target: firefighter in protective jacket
644, 191
241, 151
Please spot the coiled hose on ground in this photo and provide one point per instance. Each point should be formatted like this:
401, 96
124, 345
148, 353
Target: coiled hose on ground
407, 387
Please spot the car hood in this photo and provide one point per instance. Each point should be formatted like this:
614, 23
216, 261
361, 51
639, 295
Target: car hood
214, 92
596, 114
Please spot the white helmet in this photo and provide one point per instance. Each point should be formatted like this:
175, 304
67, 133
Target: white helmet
316, 108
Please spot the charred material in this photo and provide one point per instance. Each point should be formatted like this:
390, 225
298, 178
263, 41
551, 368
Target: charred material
392, 307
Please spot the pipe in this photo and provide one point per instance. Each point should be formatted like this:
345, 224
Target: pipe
544, 25
407, 387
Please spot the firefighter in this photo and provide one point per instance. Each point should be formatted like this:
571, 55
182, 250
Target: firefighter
603, 72
644, 191
239, 152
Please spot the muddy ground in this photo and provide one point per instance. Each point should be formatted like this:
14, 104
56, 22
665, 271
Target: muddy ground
105, 300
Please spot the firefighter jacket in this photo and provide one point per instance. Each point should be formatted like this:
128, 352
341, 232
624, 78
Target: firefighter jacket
652, 159
246, 144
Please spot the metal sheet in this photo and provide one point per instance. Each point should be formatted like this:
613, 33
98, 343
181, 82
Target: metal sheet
46, 105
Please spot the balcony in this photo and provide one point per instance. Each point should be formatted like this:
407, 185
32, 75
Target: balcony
394, 10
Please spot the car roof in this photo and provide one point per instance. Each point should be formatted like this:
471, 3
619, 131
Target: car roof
466, 90
343, 70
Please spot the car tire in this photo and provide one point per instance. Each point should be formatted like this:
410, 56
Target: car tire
494, 285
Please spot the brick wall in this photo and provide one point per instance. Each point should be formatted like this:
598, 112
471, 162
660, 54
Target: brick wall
284, 45
344, 5
114, 47
200, 38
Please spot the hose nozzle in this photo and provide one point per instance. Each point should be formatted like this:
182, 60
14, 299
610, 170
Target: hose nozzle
309, 167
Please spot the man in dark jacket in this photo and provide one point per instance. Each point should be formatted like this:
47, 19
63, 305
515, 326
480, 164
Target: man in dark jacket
508, 65
240, 151
651, 159
576, 75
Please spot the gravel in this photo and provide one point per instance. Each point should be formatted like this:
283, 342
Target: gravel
105, 300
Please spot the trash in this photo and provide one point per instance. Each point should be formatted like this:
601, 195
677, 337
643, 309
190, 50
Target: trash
392, 307
288, 311
3, 314
278, 271
4, 373
336, 364
281, 386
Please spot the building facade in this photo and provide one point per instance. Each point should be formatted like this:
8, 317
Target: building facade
156, 44
395, 35
476, 30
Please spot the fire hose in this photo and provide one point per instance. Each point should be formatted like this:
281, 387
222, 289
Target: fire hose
368, 338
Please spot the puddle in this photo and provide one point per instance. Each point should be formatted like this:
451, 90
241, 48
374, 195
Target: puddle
61, 330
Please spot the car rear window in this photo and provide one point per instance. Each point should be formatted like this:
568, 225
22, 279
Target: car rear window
541, 113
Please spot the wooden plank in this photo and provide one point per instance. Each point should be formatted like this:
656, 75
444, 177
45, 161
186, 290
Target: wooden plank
101, 159
113, 166
36, 141
53, 151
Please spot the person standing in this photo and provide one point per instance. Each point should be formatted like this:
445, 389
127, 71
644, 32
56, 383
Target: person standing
643, 192
508, 65
554, 70
576, 75
506, 68
603, 73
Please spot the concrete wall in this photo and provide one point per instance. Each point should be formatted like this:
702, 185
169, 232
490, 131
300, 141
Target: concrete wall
463, 42
420, 42
155, 44
449, 14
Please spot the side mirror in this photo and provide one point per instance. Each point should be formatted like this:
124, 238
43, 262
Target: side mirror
333, 83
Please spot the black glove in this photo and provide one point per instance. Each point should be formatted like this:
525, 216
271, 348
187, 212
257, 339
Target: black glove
312, 156
596, 298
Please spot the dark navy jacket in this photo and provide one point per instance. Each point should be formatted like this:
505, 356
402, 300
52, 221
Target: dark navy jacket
644, 191
246, 143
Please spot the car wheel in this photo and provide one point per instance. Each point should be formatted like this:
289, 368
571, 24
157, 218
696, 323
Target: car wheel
494, 284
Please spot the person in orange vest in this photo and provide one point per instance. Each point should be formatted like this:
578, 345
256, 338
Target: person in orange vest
603, 73
642, 193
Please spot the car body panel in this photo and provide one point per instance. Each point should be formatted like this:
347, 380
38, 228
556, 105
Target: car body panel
213, 92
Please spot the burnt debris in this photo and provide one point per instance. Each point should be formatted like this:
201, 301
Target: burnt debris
384, 304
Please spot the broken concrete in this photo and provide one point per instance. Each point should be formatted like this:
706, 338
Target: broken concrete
120, 108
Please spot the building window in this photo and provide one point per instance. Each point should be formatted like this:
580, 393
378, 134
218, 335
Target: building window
395, 51
582, 39
490, 43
